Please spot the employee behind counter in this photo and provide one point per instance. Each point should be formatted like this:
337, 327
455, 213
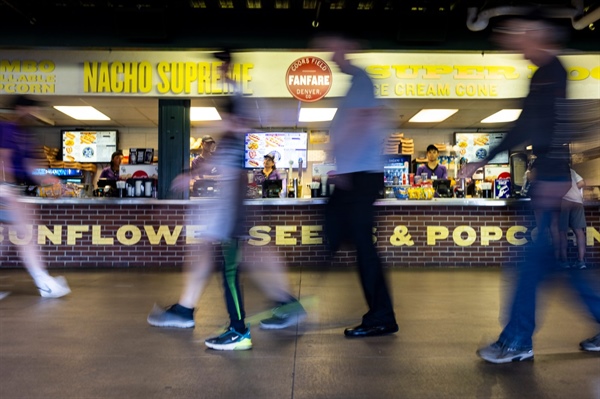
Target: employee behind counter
268, 177
110, 175
433, 167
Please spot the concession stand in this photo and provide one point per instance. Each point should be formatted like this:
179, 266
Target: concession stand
84, 231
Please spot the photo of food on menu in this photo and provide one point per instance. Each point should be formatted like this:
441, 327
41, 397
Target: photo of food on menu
476, 146
283, 146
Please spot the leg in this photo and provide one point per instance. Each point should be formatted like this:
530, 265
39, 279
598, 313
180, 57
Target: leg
197, 271
519, 331
231, 283
375, 288
237, 336
49, 287
581, 242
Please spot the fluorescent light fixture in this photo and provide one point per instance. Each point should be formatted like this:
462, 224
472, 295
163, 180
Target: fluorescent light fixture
204, 114
316, 114
504, 115
83, 113
432, 115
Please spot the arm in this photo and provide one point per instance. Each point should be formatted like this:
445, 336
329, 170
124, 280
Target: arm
445, 172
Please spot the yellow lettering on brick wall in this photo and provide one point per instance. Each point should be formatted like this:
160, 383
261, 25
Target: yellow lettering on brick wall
55, 237
310, 235
163, 231
192, 233
435, 233
402, 237
97, 238
464, 242
75, 232
511, 235
136, 235
282, 235
25, 231
490, 233
259, 236
592, 234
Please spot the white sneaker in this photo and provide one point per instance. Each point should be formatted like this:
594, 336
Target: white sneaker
4, 294
54, 287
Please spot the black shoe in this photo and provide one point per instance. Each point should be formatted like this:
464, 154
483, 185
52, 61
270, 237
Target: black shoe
371, 331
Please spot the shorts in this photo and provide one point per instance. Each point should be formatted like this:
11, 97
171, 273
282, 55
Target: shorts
572, 214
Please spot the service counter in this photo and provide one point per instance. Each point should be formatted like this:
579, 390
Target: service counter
136, 232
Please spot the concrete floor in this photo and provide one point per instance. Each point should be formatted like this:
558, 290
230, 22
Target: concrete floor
95, 343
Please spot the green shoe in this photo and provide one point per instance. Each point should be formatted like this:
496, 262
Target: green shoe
231, 340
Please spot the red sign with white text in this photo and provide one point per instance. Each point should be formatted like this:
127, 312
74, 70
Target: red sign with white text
308, 79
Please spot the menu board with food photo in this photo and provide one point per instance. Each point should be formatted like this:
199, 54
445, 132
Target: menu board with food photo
88, 146
476, 146
283, 146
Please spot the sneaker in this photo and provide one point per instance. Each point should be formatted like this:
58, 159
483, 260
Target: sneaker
230, 340
499, 353
563, 264
54, 287
580, 264
160, 317
591, 344
4, 294
284, 316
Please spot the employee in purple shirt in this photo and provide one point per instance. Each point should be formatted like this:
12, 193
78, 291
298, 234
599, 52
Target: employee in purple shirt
433, 167
112, 172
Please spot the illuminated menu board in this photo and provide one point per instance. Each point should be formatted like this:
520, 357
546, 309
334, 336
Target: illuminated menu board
88, 145
284, 147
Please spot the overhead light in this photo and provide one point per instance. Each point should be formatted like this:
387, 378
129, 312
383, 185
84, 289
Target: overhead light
432, 115
316, 114
504, 115
204, 114
83, 113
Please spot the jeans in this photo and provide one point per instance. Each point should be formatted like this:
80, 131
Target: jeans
539, 262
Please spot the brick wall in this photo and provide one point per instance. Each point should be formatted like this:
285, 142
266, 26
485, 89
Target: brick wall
107, 234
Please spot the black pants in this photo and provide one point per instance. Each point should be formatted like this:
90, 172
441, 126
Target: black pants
231, 283
349, 216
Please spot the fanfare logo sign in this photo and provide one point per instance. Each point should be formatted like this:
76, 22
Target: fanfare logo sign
308, 79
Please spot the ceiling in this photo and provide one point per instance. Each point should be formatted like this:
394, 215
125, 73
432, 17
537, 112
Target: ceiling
288, 24
393, 24
270, 113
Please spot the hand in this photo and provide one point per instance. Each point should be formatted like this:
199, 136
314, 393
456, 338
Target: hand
469, 169
181, 183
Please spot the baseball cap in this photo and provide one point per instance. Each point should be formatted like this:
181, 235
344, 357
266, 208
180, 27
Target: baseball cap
270, 157
431, 147
208, 139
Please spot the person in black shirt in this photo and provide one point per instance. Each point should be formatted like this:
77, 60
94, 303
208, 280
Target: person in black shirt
537, 39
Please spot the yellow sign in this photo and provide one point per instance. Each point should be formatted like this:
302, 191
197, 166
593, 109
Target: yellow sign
285, 235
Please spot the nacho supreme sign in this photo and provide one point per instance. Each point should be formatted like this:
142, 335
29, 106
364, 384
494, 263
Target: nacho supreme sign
308, 79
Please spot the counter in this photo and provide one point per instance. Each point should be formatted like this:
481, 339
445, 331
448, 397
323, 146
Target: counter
139, 232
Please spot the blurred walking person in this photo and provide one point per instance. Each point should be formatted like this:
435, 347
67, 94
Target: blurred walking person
357, 134
224, 224
16, 164
539, 41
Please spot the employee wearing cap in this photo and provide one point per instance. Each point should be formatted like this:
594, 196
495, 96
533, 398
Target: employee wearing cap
268, 171
199, 164
433, 167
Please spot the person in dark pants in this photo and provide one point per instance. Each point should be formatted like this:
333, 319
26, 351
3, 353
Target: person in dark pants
539, 123
355, 132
